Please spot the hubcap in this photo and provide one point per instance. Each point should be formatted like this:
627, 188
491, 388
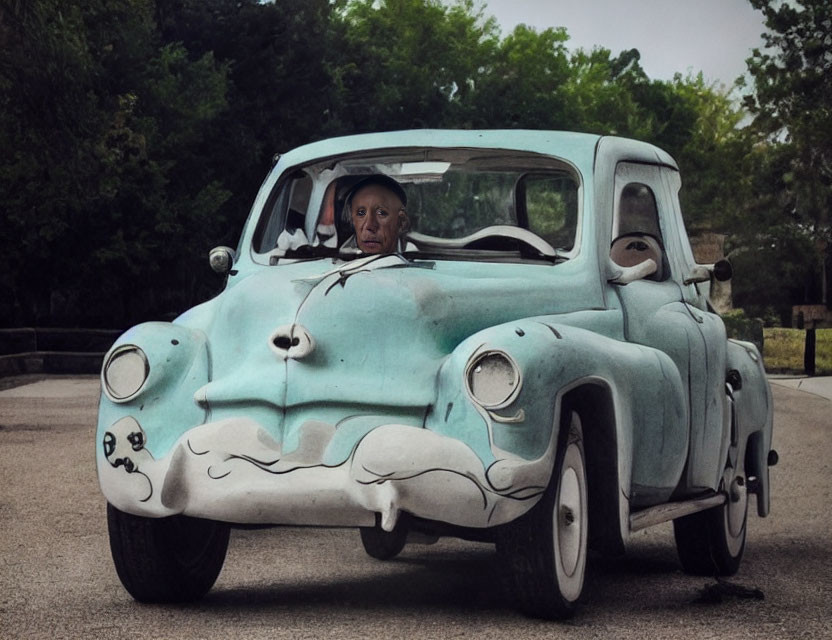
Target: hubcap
569, 521
736, 507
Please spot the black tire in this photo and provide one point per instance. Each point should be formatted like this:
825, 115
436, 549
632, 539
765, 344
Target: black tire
543, 553
712, 542
384, 545
175, 559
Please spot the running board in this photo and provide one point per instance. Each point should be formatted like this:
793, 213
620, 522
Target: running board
672, 510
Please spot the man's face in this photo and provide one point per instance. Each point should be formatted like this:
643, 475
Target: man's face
378, 218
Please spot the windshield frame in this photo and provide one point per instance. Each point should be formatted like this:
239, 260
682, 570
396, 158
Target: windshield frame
324, 171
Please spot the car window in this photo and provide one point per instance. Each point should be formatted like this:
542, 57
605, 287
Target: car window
552, 208
462, 203
459, 203
637, 211
285, 212
454, 197
637, 234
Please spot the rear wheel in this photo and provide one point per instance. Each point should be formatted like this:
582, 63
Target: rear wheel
543, 553
384, 545
711, 543
175, 559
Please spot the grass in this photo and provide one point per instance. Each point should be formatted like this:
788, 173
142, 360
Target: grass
783, 350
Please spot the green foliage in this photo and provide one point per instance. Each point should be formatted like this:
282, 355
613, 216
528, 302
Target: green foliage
792, 105
278, 57
772, 250
712, 156
552, 208
105, 123
136, 132
408, 63
741, 327
518, 83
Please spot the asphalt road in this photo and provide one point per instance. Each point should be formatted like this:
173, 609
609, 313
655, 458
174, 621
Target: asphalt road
57, 579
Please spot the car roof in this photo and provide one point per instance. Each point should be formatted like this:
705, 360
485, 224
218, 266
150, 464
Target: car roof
579, 148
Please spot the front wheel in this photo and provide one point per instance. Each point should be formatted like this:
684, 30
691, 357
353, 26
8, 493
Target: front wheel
174, 559
543, 553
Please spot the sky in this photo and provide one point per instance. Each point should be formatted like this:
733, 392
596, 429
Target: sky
711, 36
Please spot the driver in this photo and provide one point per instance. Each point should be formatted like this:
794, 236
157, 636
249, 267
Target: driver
377, 212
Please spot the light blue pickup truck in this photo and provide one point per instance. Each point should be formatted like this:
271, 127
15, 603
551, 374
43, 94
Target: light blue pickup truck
534, 362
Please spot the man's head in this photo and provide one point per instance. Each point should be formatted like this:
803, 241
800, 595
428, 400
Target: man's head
377, 210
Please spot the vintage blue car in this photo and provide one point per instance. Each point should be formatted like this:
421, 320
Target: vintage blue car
533, 362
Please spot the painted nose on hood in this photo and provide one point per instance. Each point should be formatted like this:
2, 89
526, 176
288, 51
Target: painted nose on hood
292, 341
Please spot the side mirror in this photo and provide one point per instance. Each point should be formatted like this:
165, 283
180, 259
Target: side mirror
720, 270
723, 270
221, 259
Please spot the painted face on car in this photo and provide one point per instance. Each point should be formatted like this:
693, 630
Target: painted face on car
378, 217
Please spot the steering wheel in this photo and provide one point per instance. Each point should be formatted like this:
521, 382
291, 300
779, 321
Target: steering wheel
508, 232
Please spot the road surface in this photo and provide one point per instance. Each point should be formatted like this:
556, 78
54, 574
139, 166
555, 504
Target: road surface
57, 579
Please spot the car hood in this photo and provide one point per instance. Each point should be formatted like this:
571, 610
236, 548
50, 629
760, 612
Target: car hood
342, 337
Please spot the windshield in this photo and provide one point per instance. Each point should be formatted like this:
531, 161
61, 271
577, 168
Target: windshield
467, 204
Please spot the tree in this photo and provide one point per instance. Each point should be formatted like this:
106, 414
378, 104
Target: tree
408, 63
792, 105
520, 84
56, 106
135, 132
280, 88
713, 155
104, 185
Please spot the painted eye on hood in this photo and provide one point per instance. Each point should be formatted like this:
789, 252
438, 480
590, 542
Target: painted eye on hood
124, 373
492, 379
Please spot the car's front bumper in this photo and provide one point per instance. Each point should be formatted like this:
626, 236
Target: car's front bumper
233, 470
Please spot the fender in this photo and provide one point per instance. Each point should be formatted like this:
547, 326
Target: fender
178, 365
553, 358
754, 416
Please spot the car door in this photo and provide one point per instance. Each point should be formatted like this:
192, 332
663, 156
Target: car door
709, 446
656, 314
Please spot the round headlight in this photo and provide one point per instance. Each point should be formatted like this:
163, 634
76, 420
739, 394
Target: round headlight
493, 379
125, 372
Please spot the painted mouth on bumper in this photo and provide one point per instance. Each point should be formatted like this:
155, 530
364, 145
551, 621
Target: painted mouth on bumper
234, 471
